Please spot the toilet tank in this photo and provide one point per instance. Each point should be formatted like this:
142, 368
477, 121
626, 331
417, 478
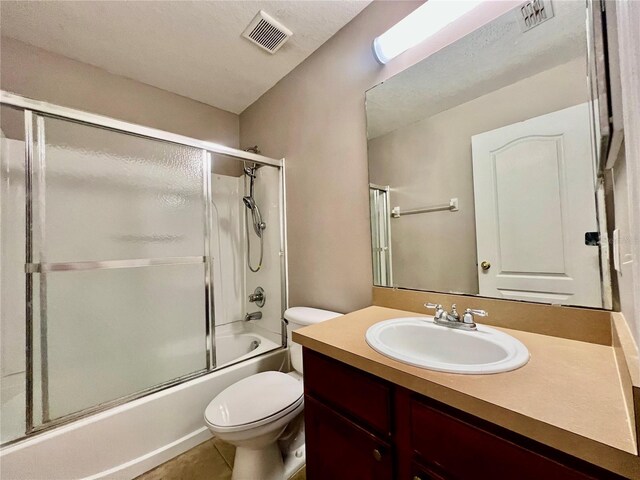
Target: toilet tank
298, 317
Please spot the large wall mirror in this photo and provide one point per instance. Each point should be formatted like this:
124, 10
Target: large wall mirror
484, 166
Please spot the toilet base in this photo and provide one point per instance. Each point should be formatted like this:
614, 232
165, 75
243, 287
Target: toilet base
292, 446
294, 461
264, 463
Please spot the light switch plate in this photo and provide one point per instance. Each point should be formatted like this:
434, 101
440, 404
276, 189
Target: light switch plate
616, 250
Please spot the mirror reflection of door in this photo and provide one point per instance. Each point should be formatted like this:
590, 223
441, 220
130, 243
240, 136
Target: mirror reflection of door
530, 220
527, 187
380, 235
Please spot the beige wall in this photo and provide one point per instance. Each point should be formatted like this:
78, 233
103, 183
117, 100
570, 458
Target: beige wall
627, 168
315, 118
429, 162
42, 75
623, 214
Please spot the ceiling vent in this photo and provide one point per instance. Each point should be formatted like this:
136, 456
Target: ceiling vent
266, 32
533, 13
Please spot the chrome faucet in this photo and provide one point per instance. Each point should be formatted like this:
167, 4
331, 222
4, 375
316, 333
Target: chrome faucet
452, 319
439, 311
253, 316
452, 316
258, 297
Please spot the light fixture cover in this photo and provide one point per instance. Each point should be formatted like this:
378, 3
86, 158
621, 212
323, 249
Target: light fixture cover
419, 25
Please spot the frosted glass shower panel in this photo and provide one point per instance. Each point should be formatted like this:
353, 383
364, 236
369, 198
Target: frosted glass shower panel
120, 266
112, 196
12, 275
114, 332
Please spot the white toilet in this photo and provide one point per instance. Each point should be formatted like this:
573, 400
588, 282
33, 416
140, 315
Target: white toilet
253, 413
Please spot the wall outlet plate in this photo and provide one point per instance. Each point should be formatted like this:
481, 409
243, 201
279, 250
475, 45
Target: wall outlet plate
616, 250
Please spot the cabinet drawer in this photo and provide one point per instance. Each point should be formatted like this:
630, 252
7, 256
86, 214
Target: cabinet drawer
338, 449
351, 391
465, 451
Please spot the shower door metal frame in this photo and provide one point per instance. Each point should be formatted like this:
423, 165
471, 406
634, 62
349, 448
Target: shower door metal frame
34, 109
65, 113
208, 264
284, 263
379, 252
28, 153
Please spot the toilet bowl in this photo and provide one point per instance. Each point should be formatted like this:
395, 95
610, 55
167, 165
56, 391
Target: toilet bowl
262, 414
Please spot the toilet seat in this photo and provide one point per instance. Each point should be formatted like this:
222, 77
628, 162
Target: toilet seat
254, 401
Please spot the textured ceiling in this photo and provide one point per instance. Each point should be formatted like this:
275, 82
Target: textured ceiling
494, 56
194, 49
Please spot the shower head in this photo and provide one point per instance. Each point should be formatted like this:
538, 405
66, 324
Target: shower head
256, 217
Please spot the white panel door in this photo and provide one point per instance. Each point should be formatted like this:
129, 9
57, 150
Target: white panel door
535, 200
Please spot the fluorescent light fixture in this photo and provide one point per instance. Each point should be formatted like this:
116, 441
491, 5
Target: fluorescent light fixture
419, 25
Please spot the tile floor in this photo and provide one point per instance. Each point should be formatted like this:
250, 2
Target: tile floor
211, 460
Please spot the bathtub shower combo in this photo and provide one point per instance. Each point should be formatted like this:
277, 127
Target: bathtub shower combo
142, 273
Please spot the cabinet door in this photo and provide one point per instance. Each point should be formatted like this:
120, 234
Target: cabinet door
339, 449
353, 392
463, 451
421, 473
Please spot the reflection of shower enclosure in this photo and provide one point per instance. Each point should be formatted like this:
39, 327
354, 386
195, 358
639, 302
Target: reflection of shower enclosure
114, 241
380, 235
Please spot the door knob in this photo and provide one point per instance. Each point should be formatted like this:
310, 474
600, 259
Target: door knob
377, 455
485, 265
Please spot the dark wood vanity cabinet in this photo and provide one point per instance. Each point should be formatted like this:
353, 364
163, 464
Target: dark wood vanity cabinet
461, 450
359, 426
342, 449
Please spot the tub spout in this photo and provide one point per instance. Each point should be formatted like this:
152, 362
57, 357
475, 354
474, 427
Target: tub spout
253, 316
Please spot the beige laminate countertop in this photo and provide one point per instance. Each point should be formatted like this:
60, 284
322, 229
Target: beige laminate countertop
569, 396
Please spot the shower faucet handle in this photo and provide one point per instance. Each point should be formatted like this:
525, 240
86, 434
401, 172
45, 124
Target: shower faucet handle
258, 297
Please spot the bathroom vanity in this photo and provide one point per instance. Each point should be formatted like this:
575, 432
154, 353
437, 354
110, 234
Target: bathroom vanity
486, 196
370, 417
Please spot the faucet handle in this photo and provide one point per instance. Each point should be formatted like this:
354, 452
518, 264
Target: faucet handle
439, 311
469, 313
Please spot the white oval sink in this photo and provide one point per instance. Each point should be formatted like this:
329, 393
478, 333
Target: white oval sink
420, 342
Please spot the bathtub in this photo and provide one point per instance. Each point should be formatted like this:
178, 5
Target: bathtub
130, 439
238, 341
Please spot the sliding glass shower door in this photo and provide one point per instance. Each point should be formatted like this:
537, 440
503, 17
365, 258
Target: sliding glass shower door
118, 269
113, 239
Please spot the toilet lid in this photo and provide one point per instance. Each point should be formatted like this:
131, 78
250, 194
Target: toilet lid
253, 399
308, 316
